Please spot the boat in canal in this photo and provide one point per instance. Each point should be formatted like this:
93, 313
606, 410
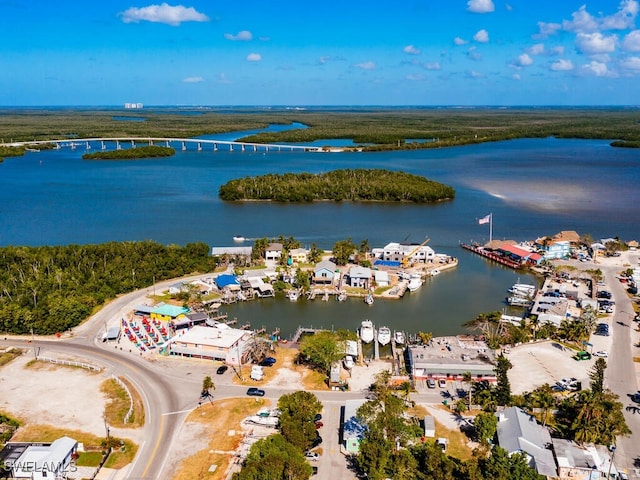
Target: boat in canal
368, 299
366, 331
415, 282
293, 295
384, 336
239, 238
398, 336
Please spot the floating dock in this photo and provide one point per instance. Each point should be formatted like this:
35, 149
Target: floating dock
492, 256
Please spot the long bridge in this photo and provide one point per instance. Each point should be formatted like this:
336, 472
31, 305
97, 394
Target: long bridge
162, 141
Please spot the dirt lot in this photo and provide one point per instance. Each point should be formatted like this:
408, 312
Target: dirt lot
545, 362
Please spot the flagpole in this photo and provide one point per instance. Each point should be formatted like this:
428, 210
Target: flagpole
490, 227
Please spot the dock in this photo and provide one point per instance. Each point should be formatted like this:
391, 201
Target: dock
302, 330
492, 256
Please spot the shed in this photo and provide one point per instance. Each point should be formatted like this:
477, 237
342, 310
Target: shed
429, 426
112, 334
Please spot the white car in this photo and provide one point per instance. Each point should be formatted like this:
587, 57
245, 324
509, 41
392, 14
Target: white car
313, 456
601, 353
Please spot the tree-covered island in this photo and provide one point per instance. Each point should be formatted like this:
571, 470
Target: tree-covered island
361, 185
150, 151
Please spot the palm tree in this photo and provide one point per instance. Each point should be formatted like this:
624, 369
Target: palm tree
406, 388
468, 379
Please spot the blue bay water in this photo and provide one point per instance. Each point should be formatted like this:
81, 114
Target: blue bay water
533, 187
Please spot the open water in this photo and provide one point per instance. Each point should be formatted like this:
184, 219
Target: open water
532, 187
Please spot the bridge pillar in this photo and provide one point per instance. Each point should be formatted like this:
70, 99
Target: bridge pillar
255, 148
102, 145
199, 146
150, 143
118, 147
242, 147
231, 147
133, 144
184, 146
215, 147
57, 146
166, 143
88, 145
73, 146
266, 148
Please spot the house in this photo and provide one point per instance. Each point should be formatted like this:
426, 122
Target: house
520, 254
397, 252
570, 236
324, 272
360, 277
352, 428
299, 255
557, 249
381, 278
45, 461
169, 313
178, 288
219, 342
273, 252
191, 320
260, 287
583, 462
228, 281
450, 357
231, 251
519, 432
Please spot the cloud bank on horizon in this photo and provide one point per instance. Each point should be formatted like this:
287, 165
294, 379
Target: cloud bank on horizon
441, 52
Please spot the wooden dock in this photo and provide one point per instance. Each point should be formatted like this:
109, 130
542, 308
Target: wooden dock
492, 256
302, 330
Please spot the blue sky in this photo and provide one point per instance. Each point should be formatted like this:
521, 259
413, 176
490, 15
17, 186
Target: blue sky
333, 52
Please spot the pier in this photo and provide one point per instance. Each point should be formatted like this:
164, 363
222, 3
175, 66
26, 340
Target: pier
492, 256
304, 330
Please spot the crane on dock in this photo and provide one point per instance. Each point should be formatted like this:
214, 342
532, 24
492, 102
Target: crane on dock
407, 258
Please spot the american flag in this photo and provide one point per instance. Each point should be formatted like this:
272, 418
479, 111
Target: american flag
484, 220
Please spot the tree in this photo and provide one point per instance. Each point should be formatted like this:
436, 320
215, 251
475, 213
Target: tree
302, 279
298, 410
433, 464
468, 379
315, 254
273, 458
542, 397
323, 349
207, 385
503, 387
597, 376
342, 250
486, 425
425, 337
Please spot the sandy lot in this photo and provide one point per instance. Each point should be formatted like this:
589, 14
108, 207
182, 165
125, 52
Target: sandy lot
545, 362
56, 395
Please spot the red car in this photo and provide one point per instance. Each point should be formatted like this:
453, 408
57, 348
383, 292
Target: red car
319, 424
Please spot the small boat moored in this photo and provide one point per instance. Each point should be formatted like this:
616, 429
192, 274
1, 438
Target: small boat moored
348, 362
366, 331
399, 337
368, 299
293, 295
239, 238
384, 336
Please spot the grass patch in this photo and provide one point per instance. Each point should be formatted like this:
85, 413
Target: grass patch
219, 417
458, 445
10, 355
89, 459
92, 443
118, 403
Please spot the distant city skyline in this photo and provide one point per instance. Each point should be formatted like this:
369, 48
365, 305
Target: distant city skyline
411, 52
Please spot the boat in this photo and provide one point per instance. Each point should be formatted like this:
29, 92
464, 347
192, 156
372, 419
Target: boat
348, 362
523, 289
434, 272
415, 282
368, 299
399, 337
293, 295
239, 238
342, 296
384, 336
518, 301
366, 331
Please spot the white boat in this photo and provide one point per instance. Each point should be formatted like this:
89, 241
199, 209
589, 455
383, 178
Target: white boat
366, 331
239, 238
342, 296
368, 299
523, 289
384, 336
434, 272
519, 301
293, 295
348, 362
414, 283
399, 337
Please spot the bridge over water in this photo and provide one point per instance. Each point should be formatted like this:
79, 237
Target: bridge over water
200, 144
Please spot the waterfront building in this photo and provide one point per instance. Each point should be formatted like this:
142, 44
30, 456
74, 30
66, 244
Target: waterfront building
359, 277
231, 251
324, 273
583, 462
519, 432
557, 249
273, 252
415, 253
450, 357
220, 342
352, 429
299, 255
45, 461
169, 313
381, 278
227, 281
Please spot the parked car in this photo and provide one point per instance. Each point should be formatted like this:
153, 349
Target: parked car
255, 392
316, 442
313, 456
442, 383
221, 369
267, 362
317, 418
601, 353
319, 424
431, 383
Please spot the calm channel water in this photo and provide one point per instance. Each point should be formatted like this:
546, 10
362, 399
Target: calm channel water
532, 188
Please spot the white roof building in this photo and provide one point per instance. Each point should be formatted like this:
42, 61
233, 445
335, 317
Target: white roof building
396, 252
220, 342
40, 462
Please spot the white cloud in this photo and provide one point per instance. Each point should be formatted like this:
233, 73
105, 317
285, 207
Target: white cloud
415, 77
631, 42
411, 50
559, 50
516, 76
459, 41
254, 57
193, 80
243, 35
473, 54
474, 74
582, 21
524, 60
480, 6
432, 66
366, 65
591, 43
597, 68
562, 65
631, 64
547, 29
537, 49
481, 36
222, 78
624, 18
164, 13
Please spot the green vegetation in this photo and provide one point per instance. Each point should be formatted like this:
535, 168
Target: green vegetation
273, 458
626, 144
9, 355
323, 349
150, 151
355, 185
8, 426
10, 152
297, 418
118, 404
51, 289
